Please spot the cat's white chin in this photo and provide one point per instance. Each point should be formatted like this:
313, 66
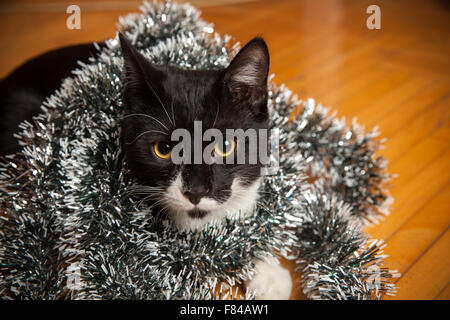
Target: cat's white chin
242, 202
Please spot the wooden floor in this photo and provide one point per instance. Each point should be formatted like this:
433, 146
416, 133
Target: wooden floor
397, 78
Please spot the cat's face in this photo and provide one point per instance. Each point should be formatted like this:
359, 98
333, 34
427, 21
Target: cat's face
161, 99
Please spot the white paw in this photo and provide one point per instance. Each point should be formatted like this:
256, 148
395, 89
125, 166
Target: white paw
271, 281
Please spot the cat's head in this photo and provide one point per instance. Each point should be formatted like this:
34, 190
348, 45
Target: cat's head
161, 99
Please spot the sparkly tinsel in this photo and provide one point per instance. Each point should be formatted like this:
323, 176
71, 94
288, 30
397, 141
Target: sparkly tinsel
68, 229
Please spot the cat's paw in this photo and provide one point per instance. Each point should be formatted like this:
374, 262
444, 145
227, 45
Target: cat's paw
271, 281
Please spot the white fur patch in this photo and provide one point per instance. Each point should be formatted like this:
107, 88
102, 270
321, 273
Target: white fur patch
241, 201
248, 75
271, 281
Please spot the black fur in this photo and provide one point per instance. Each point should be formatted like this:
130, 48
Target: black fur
176, 98
24, 90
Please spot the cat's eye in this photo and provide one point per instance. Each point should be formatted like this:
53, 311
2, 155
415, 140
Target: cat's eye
162, 149
226, 148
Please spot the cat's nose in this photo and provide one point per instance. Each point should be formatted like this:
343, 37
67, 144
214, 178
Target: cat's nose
194, 198
195, 195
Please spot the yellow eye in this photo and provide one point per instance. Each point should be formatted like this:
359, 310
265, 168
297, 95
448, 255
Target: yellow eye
226, 148
162, 149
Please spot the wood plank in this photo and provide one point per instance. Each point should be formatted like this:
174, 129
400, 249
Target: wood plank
47, 31
419, 158
337, 96
428, 276
372, 112
412, 239
444, 294
423, 60
349, 58
395, 118
374, 92
435, 117
415, 191
444, 133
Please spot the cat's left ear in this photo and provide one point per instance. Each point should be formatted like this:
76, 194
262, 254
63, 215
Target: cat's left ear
246, 76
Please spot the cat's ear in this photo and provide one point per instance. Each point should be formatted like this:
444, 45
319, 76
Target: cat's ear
246, 76
141, 77
250, 66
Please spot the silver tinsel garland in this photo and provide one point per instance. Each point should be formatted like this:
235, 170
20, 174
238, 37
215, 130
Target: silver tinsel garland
68, 228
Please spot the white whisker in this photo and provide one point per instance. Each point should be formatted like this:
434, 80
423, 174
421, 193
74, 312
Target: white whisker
149, 131
173, 114
162, 105
145, 115
215, 119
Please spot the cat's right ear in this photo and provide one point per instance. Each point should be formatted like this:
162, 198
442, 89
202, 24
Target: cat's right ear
141, 77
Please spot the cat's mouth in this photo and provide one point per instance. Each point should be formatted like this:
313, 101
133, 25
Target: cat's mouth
196, 213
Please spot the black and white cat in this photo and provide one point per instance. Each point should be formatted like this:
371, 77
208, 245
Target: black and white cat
161, 99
